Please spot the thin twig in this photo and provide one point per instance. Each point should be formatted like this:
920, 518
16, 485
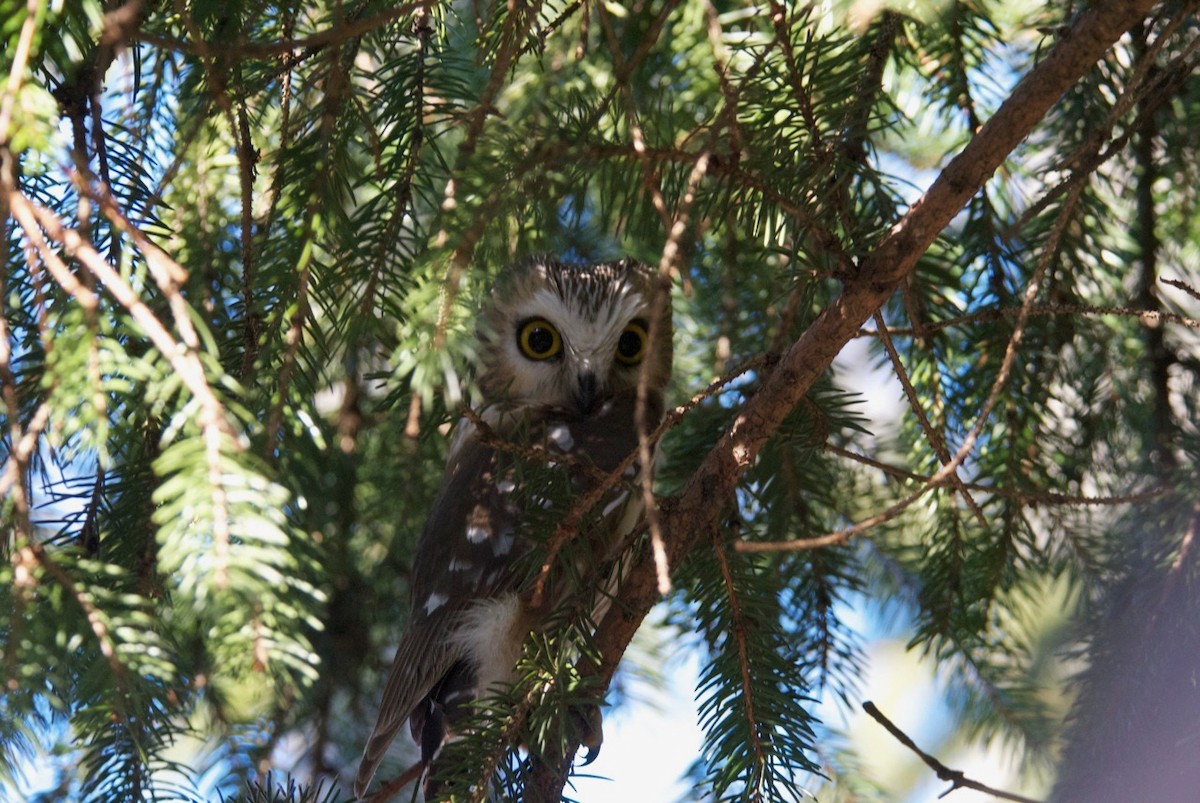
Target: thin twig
935, 439
544, 33
569, 525
957, 779
1026, 497
1184, 286
392, 787
1150, 317
668, 263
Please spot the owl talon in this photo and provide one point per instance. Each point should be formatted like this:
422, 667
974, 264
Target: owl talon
591, 731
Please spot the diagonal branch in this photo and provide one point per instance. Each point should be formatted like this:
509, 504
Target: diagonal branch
877, 277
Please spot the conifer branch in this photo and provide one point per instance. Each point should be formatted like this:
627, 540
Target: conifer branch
877, 277
515, 28
948, 469
247, 157
783, 40
22, 446
335, 34
336, 91
936, 441
33, 552
1142, 92
17, 462
30, 215
739, 638
568, 527
184, 357
668, 263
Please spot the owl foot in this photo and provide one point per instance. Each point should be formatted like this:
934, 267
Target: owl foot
590, 727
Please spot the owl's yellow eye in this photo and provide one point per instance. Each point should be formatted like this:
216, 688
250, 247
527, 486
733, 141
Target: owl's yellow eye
631, 346
538, 339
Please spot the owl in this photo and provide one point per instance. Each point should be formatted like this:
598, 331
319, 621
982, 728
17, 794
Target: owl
563, 348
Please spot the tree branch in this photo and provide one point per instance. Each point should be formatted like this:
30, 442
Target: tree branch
878, 275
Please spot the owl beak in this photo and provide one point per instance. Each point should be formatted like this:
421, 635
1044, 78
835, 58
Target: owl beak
585, 395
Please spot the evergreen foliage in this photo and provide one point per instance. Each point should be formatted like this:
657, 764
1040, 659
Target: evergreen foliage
243, 247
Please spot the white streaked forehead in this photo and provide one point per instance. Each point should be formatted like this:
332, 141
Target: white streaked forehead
584, 327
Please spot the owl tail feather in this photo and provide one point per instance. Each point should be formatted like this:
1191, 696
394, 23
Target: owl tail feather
414, 671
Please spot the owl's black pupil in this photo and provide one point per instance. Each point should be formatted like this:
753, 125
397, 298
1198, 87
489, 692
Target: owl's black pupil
629, 345
540, 340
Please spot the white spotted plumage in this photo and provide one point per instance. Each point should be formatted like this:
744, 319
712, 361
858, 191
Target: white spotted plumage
564, 348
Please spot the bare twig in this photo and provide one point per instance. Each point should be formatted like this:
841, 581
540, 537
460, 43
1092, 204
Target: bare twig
569, 524
956, 777
1150, 317
1025, 497
392, 787
1184, 286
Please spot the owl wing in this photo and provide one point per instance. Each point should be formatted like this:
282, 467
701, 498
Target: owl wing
465, 553
470, 545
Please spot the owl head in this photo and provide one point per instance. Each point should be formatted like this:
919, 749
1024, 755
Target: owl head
567, 337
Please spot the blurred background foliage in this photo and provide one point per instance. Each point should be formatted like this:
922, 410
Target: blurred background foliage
243, 246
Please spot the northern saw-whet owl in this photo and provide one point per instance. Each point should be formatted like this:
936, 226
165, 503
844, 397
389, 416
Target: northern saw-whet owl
563, 348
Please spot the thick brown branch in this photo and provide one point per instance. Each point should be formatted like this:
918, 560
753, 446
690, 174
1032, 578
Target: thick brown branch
877, 277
